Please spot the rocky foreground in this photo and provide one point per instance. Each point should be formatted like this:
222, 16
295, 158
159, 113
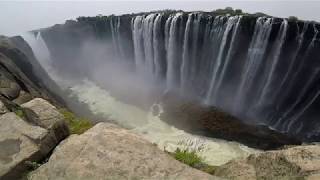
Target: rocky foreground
299, 162
107, 151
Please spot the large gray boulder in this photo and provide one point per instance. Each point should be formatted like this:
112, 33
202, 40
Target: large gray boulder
28, 138
45, 115
107, 152
300, 162
21, 142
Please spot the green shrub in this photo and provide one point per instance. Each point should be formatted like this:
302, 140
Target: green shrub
76, 125
292, 18
185, 156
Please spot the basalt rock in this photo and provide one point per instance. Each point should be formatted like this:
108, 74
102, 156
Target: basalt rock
21, 76
211, 121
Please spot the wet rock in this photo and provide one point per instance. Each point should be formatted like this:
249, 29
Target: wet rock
300, 162
109, 152
211, 121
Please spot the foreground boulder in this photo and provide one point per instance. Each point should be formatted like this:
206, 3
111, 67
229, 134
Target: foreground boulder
21, 142
29, 137
300, 162
45, 115
194, 117
109, 152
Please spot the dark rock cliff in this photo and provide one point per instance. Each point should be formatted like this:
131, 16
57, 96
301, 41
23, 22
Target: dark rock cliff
22, 78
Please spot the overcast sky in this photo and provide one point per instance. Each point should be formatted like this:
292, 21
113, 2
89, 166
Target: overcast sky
21, 16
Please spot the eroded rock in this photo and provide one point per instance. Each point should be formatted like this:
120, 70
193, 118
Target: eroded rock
109, 152
20, 142
300, 162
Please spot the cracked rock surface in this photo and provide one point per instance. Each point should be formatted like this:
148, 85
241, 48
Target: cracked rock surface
107, 152
22, 141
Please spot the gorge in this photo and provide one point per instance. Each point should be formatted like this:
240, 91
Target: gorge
238, 90
262, 70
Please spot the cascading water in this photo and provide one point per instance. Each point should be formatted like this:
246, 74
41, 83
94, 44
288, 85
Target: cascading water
256, 54
262, 69
267, 95
198, 61
146, 123
174, 52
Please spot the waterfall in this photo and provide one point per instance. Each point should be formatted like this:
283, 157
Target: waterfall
263, 70
137, 42
256, 53
173, 56
157, 48
40, 49
226, 62
300, 38
267, 95
313, 77
185, 55
116, 37
232, 21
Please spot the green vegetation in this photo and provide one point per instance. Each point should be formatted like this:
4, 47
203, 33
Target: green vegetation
20, 113
31, 165
77, 125
185, 156
228, 10
189, 154
293, 18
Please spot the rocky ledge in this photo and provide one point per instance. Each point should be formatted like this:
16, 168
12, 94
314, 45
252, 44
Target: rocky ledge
299, 162
109, 152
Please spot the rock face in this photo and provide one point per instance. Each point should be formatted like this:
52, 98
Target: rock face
21, 76
22, 141
300, 162
108, 152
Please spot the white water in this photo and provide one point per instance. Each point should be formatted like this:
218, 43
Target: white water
256, 53
231, 22
152, 128
267, 95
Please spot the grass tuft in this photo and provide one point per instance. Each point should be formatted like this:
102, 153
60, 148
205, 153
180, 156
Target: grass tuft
185, 156
76, 125
189, 154
19, 113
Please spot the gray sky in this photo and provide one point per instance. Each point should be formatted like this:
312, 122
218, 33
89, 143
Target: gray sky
21, 16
